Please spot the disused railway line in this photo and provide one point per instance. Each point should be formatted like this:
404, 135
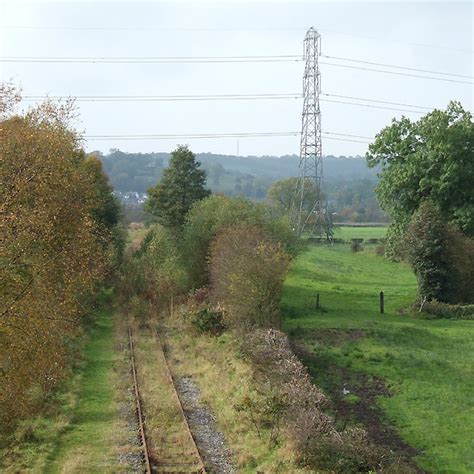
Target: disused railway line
153, 462
139, 405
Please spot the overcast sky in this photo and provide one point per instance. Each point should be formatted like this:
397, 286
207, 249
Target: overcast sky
429, 35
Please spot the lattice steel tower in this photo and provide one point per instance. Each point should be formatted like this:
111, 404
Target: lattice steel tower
308, 213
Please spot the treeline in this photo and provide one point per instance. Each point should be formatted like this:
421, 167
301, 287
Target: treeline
59, 240
218, 264
427, 188
348, 182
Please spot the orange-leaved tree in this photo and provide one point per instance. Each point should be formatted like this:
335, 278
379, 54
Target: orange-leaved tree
52, 253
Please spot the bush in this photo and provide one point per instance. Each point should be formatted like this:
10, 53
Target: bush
155, 272
247, 273
441, 256
208, 216
437, 310
207, 320
356, 245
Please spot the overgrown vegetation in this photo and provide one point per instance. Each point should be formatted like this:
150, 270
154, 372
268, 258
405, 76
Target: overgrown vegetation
247, 273
426, 188
59, 238
80, 427
441, 256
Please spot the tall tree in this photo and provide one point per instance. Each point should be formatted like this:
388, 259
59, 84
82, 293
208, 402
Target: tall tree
183, 183
282, 193
52, 254
433, 159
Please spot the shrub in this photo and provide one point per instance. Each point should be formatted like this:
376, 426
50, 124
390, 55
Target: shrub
208, 216
438, 310
441, 256
318, 445
155, 272
356, 245
207, 320
247, 272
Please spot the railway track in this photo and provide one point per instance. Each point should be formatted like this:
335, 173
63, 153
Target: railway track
187, 459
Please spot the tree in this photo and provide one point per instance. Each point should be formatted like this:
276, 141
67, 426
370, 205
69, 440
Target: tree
52, 254
106, 211
182, 185
247, 273
281, 194
433, 159
441, 256
207, 217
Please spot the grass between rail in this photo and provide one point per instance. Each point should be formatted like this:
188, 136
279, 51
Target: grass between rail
167, 434
426, 365
80, 428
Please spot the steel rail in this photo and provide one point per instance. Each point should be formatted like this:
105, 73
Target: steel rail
139, 404
169, 375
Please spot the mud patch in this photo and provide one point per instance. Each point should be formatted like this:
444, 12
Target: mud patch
353, 398
210, 441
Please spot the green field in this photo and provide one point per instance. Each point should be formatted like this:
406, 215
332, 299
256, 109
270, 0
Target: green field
427, 365
347, 233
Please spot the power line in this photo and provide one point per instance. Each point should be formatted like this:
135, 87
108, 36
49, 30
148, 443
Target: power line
222, 29
192, 135
397, 73
206, 59
154, 98
397, 67
378, 101
152, 60
221, 135
227, 97
147, 28
370, 106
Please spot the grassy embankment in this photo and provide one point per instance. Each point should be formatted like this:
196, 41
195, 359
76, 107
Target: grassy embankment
81, 428
224, 378
427, 365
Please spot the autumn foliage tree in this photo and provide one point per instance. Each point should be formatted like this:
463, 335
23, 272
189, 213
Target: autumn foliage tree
247, 273
53, 251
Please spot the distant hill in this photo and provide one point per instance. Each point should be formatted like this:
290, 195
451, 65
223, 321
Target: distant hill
136, 172
348, 182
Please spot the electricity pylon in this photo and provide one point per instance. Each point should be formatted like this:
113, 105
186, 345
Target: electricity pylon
308, 212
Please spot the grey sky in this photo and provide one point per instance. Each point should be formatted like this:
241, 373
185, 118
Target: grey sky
392, 33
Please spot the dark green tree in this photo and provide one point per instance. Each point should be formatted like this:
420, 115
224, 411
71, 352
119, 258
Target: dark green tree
429, 254
432, 158
183, 183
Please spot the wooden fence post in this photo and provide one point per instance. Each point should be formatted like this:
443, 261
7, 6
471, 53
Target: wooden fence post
382, 303
317, 301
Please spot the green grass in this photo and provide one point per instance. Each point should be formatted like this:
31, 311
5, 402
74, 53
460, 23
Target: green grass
87, 445
428, 365
76, 430
348, 233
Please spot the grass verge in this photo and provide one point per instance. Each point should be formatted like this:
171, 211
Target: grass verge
79, 430
426, 366
216, 366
